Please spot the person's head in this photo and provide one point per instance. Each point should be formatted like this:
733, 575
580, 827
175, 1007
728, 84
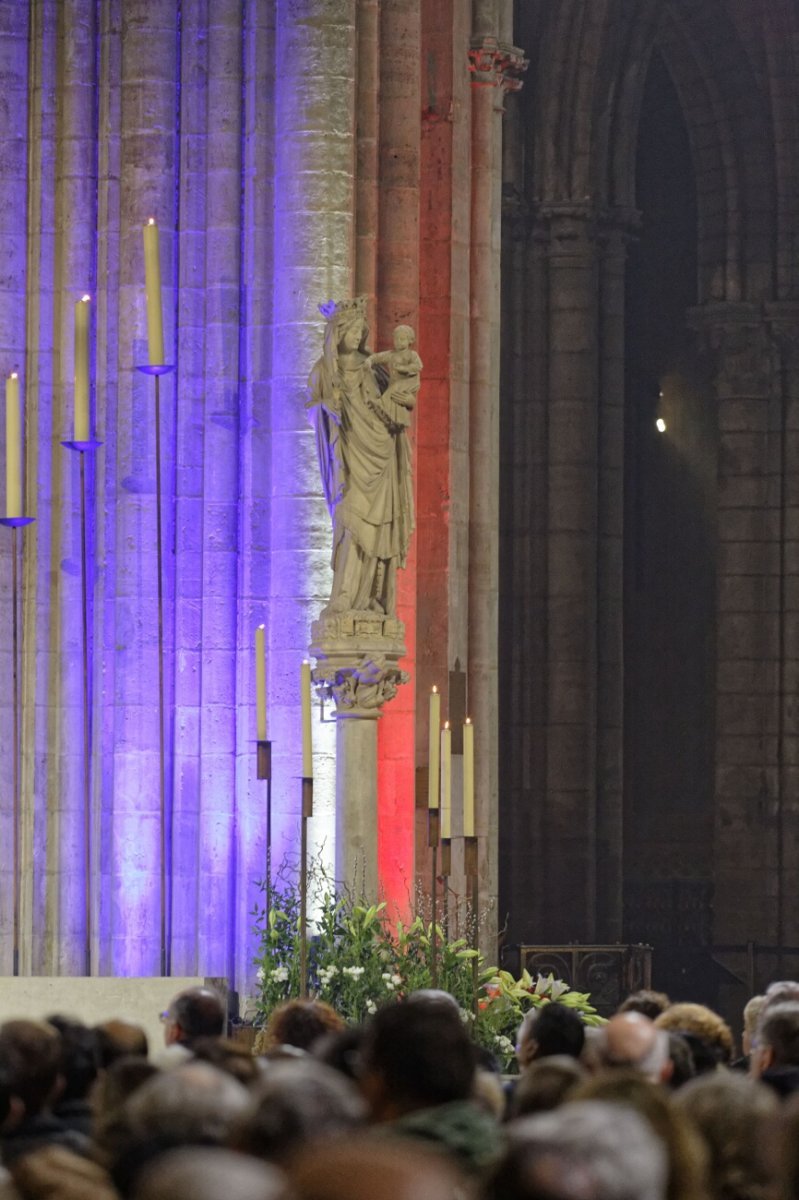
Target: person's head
582, 1151
230, 1057
206, 1174
682, 1061
342, 1051
372, 1169
415, 1056
631, 1041
294, 1104
299, 1023
190, 1105
752, 1010
701, 1022
79, 1059
776, 1043
645, 1001
30, 1057
545, 1084
403, 337
199, 1012
731, 1112
109, 1097
551, 1029
120, 1039
686, 1153
782, 991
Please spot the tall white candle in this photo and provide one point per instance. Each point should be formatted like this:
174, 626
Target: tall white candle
82, 313
260, 683
307, 744
13, 448
152, 286
468, 779
433, 748
446, 781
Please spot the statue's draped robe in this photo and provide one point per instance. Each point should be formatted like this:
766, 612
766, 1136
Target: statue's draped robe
366, 469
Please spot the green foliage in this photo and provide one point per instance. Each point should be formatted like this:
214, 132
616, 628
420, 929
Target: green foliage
358, 960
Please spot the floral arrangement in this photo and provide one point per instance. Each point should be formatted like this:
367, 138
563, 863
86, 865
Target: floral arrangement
359, 959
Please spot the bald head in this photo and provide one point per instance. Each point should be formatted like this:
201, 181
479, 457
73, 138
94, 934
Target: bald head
631, 1040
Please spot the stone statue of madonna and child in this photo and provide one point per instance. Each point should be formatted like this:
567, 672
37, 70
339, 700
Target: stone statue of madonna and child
360, 405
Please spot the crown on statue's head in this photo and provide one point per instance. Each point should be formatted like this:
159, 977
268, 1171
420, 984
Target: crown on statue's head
344, 308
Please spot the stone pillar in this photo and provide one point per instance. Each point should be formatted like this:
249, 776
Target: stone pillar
14, 133
142, 116
398, 303
314, 258
357, 656
493, 68
442, 420
367, 116
610, 578
570, 877
784, 324
749, 651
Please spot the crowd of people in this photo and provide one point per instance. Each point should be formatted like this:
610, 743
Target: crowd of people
653, 1105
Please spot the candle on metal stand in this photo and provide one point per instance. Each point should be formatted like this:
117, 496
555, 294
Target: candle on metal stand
307, 744
446, 781
260, 683
13, 447
468, 778
152, 284
82, 313
434, 748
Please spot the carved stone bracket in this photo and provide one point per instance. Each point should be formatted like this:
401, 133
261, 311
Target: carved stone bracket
497, 65
357, 656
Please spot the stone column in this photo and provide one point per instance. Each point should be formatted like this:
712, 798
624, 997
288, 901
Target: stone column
357, 655
314, 258
784, 325
18, 129
398, 303
610, 578
493, 67
572, 573
367, 116
749, 650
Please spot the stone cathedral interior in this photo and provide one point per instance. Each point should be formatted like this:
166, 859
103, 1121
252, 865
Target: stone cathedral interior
588, 212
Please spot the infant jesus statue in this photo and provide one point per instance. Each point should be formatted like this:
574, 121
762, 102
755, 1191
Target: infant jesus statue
404, 365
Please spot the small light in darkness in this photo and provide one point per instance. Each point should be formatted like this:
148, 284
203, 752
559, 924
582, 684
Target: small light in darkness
660, 425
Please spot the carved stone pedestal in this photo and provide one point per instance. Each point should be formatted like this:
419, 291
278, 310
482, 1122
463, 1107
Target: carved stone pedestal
357, 656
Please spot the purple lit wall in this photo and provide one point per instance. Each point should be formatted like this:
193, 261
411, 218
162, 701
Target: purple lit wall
116, 112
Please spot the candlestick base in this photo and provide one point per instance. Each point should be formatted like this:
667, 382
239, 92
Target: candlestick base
433, 827
263, 762
446, 857
16, 522
82, 447
154, 368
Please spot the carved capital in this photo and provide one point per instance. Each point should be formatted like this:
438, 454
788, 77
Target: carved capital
360, 690
495, 64
358, 657
737, 337
617, 227
569, 227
